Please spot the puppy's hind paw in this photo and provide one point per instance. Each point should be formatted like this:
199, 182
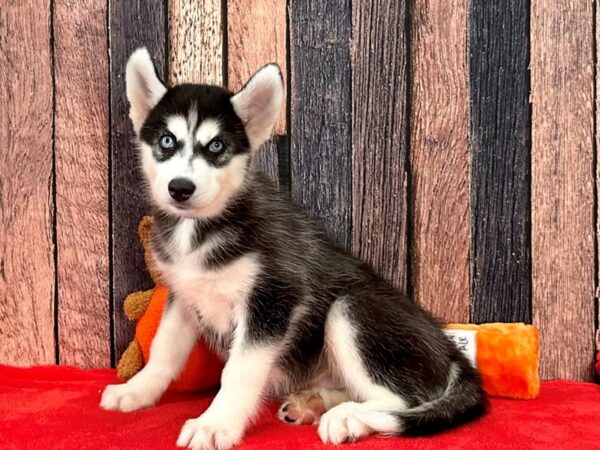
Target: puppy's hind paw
343, 424
303, 408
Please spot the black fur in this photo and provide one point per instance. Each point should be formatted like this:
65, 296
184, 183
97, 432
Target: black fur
402, 347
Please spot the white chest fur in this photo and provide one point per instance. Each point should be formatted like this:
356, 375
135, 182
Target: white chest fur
218, 296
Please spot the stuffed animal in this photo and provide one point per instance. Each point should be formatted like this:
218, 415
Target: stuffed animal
203, 368
506, 354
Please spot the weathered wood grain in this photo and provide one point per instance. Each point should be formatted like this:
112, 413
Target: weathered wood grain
500, 144
597, 187
267, 158
562, 186
26, 185
439, 159
81, 149
195, 42
320, 134
132, 25
256, 35
379, 118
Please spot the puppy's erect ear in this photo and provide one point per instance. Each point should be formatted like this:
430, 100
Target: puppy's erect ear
144, 89
259, 102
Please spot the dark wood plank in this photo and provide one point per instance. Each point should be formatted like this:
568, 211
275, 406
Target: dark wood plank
320, 140
267, 158
81, 148
500, 144
195, 41
26, 185
132, 25
256, 35
379, 117
439, 159
562, 186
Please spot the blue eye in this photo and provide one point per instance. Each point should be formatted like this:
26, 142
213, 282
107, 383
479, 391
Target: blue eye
216, 146
167, 142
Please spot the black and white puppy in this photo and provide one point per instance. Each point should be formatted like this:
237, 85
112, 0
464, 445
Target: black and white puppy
292, 315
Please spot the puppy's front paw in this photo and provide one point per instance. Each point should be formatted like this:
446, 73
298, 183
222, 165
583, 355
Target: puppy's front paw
207, 433
126, 398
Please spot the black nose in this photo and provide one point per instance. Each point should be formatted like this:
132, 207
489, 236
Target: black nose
181, 189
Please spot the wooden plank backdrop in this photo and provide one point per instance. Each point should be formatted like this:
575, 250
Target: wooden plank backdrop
379, 136
563, 185
500, 140
320, 134
450, 144
81, 152
132, 24
256, 35
439, 159
27, 258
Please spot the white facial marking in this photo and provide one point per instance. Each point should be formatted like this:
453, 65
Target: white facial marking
192, 116
207, 131
178, 125
214, 185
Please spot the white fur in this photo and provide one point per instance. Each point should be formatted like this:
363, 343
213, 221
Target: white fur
147, 386
243, 384
178, 125
372, 412
215, 294
259, 103
350, 421
144, 89
207, 131
340, 338
220, 297
181, 240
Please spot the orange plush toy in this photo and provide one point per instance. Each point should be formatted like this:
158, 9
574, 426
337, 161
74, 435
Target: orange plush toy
203, 368
506, 355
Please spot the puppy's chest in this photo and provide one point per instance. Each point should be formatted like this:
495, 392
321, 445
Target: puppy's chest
217, 297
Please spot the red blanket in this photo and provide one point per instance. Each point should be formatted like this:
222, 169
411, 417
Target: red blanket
57, 408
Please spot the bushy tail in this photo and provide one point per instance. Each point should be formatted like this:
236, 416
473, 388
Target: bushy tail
462, 401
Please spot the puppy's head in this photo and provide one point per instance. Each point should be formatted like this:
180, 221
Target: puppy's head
196, 141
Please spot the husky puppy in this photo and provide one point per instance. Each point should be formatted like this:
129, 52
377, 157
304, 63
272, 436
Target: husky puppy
292, 315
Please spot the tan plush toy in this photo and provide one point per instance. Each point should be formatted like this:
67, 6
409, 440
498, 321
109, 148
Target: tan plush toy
203, 368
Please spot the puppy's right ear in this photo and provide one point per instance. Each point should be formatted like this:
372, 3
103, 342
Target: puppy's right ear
144, 89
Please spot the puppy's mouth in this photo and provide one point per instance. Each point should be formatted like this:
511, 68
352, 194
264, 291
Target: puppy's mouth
181, 206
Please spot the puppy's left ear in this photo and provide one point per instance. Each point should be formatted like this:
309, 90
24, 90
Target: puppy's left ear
144, 88
259, 103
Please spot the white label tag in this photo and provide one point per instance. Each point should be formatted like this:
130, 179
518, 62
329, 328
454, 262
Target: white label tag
466, 341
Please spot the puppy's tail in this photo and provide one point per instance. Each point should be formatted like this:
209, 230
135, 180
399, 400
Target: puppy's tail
463, 400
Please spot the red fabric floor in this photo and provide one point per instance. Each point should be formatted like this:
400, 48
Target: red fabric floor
57, 408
